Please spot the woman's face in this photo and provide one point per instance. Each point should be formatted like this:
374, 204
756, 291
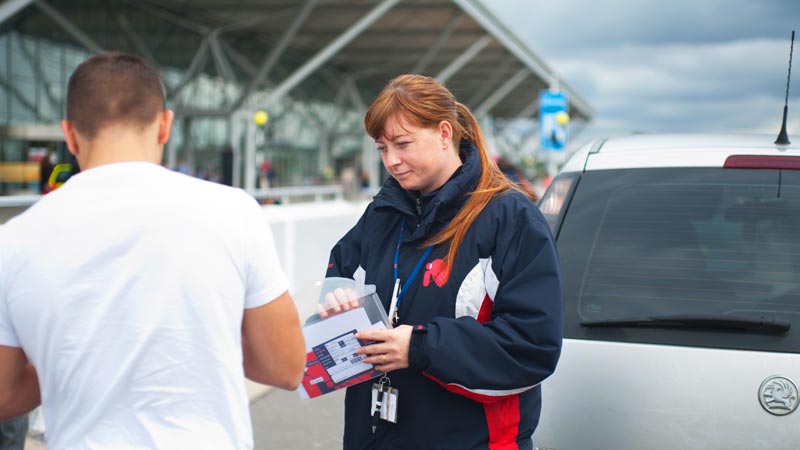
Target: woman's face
420, 159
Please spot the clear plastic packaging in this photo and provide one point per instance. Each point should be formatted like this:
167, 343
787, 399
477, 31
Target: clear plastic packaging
333, 310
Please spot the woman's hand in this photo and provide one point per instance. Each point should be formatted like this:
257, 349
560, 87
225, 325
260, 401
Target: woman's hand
391, 352
337, 301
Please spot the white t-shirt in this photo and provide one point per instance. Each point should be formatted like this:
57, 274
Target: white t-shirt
126, 289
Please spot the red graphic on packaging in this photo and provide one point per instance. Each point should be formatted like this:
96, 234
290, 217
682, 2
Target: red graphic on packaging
334, 365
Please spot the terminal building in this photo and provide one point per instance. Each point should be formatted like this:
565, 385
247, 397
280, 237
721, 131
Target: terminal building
305, 70
269, 96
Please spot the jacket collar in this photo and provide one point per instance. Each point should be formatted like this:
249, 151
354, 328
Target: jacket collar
428, 213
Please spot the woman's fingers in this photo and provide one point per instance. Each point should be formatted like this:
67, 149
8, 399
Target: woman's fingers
332, 303
323, 313
337, 301
390, 352
344, 297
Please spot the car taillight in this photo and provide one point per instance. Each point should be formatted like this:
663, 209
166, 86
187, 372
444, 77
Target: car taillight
554, 199
762, 162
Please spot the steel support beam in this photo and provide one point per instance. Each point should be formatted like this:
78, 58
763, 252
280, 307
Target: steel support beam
141, 48
530, 139
447, 31
329, 51
198, 62
491, 81
68, 26
355, 95
174, 18
485, 19
220, 61
238, 58
500, 93
327, 136
250, 157
21, 98
11, 7
37, 69
239, 123
136, 40
526, 113
369, 159
277, 52
462, 59
188, 145
341, 94
299, 108
529, 110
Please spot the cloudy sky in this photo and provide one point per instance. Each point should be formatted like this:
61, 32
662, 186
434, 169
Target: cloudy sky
668, 66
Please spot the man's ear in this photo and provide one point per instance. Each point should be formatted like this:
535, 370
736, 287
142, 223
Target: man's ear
70, 137
445, 133
165, 120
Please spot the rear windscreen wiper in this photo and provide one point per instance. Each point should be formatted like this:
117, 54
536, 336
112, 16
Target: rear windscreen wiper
762, 324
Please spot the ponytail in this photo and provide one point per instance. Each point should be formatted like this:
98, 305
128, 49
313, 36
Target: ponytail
491, 183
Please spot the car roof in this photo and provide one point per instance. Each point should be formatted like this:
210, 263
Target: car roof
674, 150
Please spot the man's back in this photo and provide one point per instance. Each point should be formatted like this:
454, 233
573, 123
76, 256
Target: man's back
126, 288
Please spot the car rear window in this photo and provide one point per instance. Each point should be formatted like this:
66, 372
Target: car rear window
654, 242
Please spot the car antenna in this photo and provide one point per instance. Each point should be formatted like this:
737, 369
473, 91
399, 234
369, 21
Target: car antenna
783, 138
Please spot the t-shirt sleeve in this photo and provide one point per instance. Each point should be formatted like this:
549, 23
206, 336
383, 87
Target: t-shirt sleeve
8, 335
264, 276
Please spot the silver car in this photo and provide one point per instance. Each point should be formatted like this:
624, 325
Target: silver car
681, 263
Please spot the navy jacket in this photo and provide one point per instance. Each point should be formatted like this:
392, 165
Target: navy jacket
483, 339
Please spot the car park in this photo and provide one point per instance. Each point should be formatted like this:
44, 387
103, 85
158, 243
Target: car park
681, 265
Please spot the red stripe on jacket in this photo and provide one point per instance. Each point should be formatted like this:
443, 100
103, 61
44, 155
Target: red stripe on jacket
502, 412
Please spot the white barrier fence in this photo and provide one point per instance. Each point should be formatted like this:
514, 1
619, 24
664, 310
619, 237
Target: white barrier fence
305, 233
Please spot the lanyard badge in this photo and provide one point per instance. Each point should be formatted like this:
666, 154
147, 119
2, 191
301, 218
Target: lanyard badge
397, 293
393, 305
384, 402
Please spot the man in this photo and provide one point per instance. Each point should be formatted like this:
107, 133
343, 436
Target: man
140, 295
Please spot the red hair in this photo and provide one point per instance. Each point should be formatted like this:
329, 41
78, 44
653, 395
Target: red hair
425, 102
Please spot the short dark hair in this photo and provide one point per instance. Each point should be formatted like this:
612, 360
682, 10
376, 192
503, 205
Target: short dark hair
113, 88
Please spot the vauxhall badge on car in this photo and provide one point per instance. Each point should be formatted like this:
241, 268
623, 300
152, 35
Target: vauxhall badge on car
778, 395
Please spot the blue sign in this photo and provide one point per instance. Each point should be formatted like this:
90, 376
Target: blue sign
554, 119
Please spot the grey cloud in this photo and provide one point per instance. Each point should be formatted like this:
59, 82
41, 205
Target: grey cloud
570, 26
680, 66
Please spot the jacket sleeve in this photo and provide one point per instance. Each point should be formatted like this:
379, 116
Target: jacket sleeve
519, 343
345, 256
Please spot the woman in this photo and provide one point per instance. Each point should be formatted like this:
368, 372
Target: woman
466, 265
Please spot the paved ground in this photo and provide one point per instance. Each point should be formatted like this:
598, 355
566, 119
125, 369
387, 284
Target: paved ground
34, 444
282, 421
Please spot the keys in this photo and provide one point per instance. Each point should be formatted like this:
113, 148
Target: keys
384, 402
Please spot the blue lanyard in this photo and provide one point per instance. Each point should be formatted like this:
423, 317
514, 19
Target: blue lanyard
416, 268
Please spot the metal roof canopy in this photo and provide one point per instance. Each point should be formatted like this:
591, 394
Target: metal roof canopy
311, 48
331, 51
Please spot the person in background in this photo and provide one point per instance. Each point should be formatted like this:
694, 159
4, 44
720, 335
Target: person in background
468, 272
45, 169
134, 300
516, 175
226, 165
